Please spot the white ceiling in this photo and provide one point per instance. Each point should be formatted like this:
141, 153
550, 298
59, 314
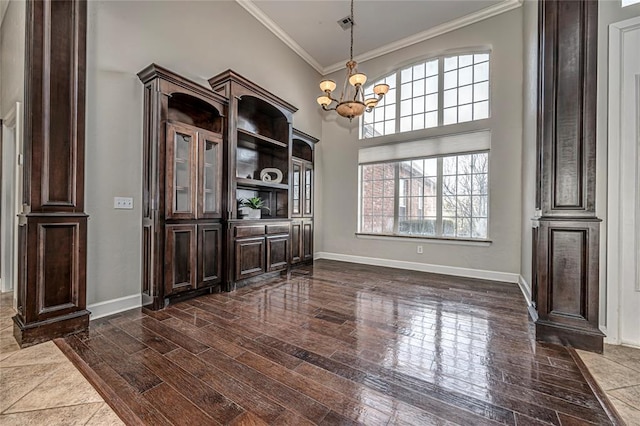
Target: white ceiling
310, 27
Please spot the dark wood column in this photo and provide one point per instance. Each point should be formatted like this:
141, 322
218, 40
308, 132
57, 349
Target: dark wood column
566, 241
53, 225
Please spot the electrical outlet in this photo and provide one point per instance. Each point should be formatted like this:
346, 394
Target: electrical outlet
125, 203
419, 250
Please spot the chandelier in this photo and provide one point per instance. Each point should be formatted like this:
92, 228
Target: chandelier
352, 102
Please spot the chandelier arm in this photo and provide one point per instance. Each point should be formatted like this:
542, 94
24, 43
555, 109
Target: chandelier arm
329, 109
328, 94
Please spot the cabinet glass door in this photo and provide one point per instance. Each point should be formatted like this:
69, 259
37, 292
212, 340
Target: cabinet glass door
308, 191
296, 189
181, 175
210, 177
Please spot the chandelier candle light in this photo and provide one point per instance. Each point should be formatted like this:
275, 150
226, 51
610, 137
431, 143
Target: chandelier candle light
352, 102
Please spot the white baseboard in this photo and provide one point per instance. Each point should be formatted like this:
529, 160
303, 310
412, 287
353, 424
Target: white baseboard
525, 288
422, 267
114, 306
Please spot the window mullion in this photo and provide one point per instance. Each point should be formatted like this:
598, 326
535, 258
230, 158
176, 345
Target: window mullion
440, 184
396, 197
440, 91
397, 120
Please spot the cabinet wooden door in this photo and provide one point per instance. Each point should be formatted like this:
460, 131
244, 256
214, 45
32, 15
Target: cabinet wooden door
209, 256
296, 242
181, 172
209, 175
180, 258
249, 257
307, 240
277, 252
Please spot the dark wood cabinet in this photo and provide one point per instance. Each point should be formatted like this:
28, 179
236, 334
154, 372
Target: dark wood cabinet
205, 151
277, 252
296, 242
258, 165
302, 190
249, 257
209, 255
183, 202
192, 257
194, 173
301, 241
307, 240
259, 247
258, 158
180, 258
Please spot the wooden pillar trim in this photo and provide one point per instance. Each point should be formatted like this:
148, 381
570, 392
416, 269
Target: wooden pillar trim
566, 235
59, 74
53, 226
568, 43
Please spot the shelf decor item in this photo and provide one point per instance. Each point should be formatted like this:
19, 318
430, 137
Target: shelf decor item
266, 175
252, 207
352, 102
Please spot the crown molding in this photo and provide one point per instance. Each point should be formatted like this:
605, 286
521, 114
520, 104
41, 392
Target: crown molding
472, 18
257, 13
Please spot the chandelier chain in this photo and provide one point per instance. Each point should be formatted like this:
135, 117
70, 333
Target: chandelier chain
352, 24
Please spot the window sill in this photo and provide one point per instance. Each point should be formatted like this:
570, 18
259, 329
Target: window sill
435, 240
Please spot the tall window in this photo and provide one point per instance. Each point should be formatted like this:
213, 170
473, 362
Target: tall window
441, 91
437, 187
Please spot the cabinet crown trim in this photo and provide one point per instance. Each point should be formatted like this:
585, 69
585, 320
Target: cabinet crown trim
230, 75
156, 71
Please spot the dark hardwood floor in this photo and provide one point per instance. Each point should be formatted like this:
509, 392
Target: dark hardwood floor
337, 344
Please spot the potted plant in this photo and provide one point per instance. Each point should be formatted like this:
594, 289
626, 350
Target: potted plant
252, 207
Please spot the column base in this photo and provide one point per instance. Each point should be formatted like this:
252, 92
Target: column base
588, 340
41, 331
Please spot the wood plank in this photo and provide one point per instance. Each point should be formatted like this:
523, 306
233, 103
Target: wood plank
177, 408
244, 395
196, 391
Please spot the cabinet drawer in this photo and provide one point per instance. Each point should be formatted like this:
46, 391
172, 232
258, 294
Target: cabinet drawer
281, 228
249, 230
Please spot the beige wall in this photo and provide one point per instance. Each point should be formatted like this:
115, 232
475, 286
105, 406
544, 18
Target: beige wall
12, 34
338, 151
529, 129
609, 12
196, 39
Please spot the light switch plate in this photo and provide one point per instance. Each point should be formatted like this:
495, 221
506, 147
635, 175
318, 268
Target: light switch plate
125, 203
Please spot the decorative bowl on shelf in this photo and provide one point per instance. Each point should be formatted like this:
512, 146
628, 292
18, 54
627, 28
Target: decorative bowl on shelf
271, 174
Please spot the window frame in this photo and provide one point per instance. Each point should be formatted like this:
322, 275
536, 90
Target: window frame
440, 93
439, 235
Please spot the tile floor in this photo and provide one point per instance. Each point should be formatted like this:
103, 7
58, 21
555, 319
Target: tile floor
39, 385
617, 371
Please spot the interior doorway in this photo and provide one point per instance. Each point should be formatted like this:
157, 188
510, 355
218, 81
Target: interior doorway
623, 204
12, 157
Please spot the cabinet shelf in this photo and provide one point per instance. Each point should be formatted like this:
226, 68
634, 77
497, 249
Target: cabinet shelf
254, 183
258, 140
